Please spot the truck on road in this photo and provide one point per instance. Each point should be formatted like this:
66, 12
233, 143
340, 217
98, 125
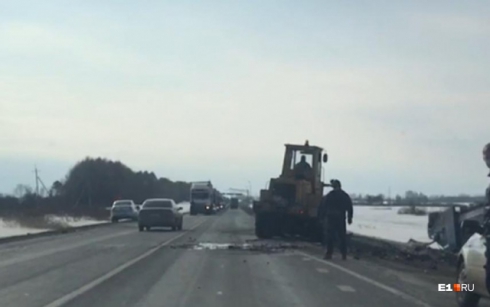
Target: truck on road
234, 203
203, 198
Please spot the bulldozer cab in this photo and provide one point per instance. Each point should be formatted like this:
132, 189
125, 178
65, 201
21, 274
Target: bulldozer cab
310, 169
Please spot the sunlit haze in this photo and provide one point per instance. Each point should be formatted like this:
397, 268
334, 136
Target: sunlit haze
397, 93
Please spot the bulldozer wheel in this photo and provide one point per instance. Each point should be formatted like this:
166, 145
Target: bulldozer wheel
262, 229
317, 234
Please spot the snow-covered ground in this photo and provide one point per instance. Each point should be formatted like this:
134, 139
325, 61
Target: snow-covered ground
386, 223
11, 228
186, 206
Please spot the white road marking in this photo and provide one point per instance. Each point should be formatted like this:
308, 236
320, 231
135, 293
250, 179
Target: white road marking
321, 270
382, 286
306, 259
219, 293
70, 296
346, 288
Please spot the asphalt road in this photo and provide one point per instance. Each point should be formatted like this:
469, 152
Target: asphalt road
119, 266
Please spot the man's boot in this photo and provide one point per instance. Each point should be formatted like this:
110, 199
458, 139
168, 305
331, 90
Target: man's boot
344, 257
327, 256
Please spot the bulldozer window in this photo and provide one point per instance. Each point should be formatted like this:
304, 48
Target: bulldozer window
297, 158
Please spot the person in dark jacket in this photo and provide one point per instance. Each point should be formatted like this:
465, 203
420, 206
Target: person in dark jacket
333, 210
302, 168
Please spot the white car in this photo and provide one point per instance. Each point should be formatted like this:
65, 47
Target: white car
124, 209
471, 270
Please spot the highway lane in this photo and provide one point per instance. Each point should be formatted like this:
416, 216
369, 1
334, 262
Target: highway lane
119, 266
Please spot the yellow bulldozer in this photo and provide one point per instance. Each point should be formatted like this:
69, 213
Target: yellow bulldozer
289, 206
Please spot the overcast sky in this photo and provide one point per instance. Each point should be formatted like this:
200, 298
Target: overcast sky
397, 92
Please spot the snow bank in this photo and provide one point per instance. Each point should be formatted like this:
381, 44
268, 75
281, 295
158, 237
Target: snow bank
9, 229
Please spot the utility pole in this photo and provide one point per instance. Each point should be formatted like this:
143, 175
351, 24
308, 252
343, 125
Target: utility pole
389, 195
37, 180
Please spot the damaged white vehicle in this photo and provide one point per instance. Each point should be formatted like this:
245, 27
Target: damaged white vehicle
460, 231
471, 270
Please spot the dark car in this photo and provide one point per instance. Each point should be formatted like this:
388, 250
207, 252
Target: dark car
160, 212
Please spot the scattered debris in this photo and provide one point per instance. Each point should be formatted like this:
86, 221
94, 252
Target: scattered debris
413, 253
269, 247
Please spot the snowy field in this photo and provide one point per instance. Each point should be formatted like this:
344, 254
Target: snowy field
386, 223
10, 228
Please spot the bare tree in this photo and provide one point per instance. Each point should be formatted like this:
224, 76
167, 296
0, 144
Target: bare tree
22, 190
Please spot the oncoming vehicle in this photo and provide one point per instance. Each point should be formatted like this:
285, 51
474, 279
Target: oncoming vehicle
203, 198
124, 209
160, 212
234, 203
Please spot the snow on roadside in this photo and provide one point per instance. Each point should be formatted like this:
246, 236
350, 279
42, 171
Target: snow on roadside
386, 223
69, 221
186, 206
10, 229
378, 222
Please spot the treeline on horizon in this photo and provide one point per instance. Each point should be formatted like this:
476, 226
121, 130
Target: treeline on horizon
90, 187
420, 198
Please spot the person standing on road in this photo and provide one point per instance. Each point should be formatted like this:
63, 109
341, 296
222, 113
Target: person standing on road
333, 210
